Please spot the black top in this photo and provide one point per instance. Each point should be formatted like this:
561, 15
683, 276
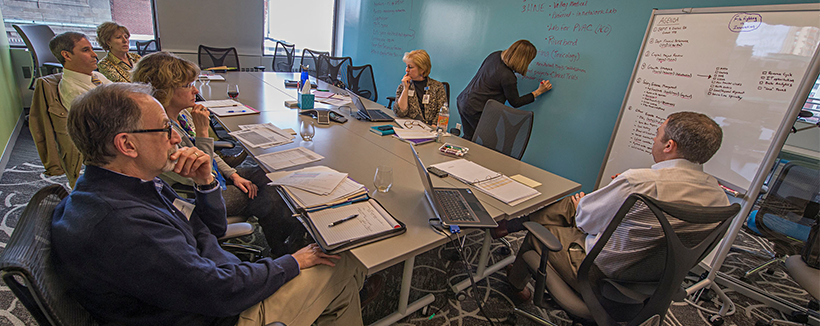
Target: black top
494, 80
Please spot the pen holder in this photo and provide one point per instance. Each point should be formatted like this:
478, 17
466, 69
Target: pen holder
306, 101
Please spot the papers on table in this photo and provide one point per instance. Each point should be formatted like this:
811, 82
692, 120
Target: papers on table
332, 98
288, 158
347, 191
492, 183
224, 108
414, 133
317, 182
371, 219
211, 77
262, 135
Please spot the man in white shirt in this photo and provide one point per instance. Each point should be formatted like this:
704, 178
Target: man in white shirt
79, 61
683, 143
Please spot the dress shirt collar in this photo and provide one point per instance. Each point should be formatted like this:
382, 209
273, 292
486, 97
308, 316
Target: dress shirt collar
77, 76
678, 163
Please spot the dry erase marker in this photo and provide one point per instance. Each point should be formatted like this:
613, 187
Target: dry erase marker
237, 111
343, 220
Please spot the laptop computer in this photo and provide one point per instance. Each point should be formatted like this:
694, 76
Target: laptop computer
374, 115
454, 206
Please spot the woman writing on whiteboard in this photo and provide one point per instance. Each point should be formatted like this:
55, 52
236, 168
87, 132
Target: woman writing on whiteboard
419, 96
496, 80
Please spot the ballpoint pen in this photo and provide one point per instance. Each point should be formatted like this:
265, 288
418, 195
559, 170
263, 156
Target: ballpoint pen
343, 220
236, 111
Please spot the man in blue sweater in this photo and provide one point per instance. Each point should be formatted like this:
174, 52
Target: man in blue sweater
135, 253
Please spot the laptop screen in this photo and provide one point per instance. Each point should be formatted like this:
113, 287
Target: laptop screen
425, 180
358, 103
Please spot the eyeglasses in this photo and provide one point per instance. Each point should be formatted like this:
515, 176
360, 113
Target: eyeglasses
410, 124
189, 86
168, 130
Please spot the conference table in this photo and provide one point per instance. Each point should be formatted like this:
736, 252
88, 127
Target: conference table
353, 149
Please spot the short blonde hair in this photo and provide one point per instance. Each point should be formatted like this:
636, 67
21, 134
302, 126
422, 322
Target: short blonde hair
106, 30
165, 72
519, 55
420, 59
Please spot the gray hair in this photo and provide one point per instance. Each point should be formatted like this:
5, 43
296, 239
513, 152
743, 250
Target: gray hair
102, 113
64, 42
698, 136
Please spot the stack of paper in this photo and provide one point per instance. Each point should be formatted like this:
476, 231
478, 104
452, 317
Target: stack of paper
346, 191
225, 108
211, 77
488, 181
317, 182
287, 158
262, 135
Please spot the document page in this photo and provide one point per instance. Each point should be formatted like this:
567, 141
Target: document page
466, 171
288, 158
507, 190
320, 183
262, 137
371, 219
347, 190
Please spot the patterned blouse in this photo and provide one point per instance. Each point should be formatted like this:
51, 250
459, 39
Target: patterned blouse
115, 69
438, 96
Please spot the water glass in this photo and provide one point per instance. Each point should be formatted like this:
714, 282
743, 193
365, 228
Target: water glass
383, 179
307, 130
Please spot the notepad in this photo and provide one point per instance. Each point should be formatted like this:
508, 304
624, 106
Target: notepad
492, 183
372, 220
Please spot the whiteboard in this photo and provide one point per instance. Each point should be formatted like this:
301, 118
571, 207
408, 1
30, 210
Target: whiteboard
747, 70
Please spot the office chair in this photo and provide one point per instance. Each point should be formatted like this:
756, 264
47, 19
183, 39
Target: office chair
145, 47
310, 59
47, 123
809, 279
361, 81
27, 268
504, 129
283, 59
637, 266
333, 70
210, 57
786, 214
36, 38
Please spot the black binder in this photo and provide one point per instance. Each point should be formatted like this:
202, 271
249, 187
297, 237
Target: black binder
304, 217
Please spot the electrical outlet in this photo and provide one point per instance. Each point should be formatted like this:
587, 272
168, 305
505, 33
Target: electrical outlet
458, 126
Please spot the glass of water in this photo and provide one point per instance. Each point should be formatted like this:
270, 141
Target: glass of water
307, 130
383, 178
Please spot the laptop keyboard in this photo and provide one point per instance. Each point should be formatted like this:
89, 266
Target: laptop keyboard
378, 114
455, 207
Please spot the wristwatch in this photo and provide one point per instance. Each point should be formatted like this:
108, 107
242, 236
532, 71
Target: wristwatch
207, 187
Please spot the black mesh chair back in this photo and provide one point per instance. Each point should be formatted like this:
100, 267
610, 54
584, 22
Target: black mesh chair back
310, 59
333, 70
216, 57
145, 47
27, 268
447, 91
504, 129
36, 38
361, 81
637, 266
283, 57
790, 207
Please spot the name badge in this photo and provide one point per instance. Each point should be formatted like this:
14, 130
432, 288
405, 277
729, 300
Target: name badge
425, 99
185, 207
411, 92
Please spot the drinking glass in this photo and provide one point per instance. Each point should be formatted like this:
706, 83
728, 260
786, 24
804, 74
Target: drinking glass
307, 130
233, 91
383, 178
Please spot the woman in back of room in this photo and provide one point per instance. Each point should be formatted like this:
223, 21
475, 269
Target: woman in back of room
496, 80
419, 96
117, 64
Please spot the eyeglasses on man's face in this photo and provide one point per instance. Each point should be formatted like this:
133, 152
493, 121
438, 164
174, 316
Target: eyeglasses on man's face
168, 130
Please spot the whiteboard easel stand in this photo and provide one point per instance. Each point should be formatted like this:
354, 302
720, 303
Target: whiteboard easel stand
747, 200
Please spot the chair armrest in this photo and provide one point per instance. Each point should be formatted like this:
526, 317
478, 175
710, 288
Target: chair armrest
236, 230
543, 235
259, 68
53, 67
223, 144
390, 100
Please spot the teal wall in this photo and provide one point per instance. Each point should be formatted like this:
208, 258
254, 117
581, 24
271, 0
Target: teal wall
10, 103
587, 49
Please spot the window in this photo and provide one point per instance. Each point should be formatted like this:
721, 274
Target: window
308, 24
79, 16
813, 104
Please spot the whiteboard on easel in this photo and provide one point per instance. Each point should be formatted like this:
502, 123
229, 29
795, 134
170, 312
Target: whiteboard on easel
745, 68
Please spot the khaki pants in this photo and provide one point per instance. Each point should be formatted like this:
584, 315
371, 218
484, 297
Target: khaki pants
321, 294
558, 218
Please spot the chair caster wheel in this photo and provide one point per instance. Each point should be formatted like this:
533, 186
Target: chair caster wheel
425, 311
716, 320
461, 296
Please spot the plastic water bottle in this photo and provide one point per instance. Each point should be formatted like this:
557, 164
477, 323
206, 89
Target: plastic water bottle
443, 120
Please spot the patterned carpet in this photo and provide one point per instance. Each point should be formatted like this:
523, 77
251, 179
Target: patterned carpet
434, 271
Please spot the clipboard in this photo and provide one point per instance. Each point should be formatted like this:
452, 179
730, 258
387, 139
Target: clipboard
304, 217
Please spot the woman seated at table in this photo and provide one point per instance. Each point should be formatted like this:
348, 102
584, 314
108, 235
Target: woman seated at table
117, 64
173, 78
419, 96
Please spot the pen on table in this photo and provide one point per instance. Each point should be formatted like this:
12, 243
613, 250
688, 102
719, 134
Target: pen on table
237, 111
343, 220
